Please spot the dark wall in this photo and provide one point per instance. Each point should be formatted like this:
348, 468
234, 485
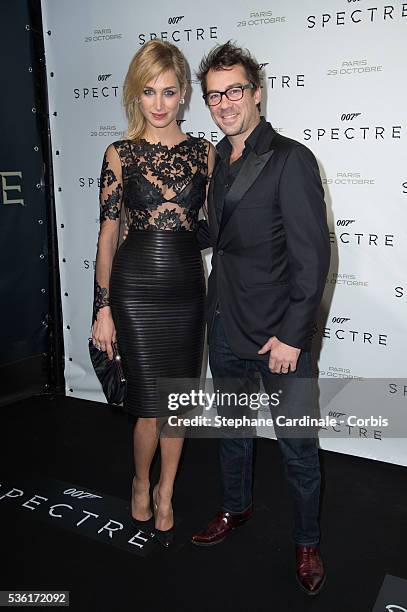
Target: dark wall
27, 293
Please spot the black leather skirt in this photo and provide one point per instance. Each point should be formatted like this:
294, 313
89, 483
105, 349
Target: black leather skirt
157, 294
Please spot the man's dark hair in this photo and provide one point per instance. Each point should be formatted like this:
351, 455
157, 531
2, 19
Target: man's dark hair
226, 56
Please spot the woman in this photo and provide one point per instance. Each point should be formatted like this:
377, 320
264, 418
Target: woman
151, 292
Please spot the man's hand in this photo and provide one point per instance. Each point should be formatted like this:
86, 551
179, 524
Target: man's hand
283, 357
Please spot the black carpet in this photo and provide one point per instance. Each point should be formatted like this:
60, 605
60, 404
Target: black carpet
364, 523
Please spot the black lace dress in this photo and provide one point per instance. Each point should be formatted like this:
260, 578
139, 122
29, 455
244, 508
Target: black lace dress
154, 283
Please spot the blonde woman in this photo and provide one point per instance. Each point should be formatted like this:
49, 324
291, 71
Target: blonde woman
151, 292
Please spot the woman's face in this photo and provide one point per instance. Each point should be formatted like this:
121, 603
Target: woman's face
160, 98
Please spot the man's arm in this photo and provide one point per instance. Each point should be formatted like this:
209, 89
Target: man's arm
203, 235
307, 237
301, 198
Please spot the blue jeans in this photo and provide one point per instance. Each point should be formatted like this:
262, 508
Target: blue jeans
300, 455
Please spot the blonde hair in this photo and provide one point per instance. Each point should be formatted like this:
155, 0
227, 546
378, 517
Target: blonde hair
156, 56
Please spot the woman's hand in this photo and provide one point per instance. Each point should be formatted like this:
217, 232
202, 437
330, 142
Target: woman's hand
104, 331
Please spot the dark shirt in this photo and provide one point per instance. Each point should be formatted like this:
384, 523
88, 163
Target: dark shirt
227, 172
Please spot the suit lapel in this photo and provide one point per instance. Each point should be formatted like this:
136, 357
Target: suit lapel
248, 173
213, 220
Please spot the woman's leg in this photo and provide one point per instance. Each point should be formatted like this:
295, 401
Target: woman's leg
171, 448
145, 439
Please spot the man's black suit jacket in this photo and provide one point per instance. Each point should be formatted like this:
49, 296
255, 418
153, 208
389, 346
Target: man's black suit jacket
271, 249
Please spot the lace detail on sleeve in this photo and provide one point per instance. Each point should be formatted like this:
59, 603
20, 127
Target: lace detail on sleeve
110, 200
101, 298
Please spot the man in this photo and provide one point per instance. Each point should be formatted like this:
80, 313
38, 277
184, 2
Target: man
268, 229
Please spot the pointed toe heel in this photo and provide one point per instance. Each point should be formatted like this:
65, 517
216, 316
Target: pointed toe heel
164, 537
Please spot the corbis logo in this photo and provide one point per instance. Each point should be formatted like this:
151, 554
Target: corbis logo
342, 331
388, 14
179, 35
259, 18
103, 35
351, 425
344, 235
97, 92
352, 67
345, 280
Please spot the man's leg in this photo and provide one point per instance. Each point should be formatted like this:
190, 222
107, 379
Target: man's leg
230, 375
301, 462
300, 454
236, 454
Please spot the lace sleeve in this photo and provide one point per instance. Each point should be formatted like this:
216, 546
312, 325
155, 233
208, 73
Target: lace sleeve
110, 200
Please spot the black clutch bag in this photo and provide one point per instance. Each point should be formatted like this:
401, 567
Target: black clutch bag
110, 373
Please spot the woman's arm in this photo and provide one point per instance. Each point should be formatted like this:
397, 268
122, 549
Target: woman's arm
110, 199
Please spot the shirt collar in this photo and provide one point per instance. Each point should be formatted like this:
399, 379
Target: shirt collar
224, 147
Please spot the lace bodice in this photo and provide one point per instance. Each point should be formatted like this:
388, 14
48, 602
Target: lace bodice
158, 187
162, 187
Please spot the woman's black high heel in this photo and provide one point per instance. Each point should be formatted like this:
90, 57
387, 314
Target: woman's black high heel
146, 526
166, 537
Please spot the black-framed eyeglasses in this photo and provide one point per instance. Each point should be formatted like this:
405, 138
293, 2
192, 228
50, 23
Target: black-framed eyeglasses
233, 94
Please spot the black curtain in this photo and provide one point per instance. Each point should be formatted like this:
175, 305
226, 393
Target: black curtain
31, 351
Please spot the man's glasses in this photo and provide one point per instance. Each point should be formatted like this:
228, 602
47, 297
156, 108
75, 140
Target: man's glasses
232, 93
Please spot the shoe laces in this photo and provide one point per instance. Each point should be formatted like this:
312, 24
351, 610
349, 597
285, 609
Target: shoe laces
310, 561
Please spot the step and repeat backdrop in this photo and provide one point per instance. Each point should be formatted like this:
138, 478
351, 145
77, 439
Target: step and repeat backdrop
333, 79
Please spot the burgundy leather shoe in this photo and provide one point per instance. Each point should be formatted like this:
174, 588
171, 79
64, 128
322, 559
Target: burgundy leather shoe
310, 569
220, 526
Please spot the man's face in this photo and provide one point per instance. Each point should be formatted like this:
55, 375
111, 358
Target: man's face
233, 118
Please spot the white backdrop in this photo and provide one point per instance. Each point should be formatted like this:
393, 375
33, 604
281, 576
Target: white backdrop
334, 80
